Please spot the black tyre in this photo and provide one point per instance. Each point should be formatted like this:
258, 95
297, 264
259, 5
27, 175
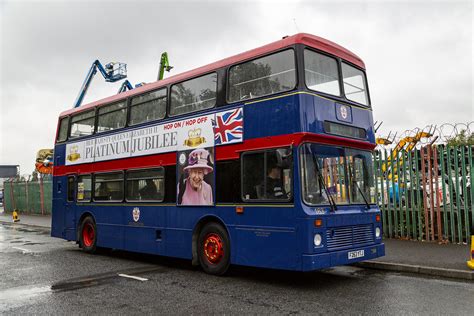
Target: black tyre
214, 249
88, 235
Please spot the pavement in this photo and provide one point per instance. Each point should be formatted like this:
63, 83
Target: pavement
428, 258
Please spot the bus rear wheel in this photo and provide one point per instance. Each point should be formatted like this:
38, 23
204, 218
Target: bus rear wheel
88, 235
214, 249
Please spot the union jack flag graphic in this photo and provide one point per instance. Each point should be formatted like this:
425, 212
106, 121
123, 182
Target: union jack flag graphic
228, 126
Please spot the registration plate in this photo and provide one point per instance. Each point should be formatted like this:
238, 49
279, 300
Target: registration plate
355, 254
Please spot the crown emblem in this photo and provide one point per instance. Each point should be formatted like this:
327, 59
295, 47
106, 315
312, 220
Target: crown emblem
73, 153
195, 138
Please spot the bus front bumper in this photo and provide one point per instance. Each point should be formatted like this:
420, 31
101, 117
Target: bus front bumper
342, 257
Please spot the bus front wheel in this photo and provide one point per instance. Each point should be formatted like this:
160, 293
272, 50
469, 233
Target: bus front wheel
88, 235
214, 249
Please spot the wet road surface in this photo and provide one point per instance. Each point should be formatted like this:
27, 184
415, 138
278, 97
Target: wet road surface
44, 275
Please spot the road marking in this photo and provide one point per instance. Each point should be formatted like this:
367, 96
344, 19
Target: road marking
22, 249
132, 277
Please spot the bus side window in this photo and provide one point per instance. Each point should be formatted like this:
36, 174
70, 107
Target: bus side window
84, 188
267, 175
70, 188
145, 185
108, 187
170, 184
228, 181
253, 176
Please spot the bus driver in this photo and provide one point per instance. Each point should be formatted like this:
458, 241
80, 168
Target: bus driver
196, 190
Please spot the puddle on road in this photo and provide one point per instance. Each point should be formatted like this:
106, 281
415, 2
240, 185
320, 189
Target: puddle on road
21, 293
28, 243
103, 278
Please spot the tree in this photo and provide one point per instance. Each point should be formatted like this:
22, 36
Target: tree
461, 139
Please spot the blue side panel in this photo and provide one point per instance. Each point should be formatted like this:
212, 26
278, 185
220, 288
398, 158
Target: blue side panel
58, 215
314, 111
63, 216
266, 237
271, 117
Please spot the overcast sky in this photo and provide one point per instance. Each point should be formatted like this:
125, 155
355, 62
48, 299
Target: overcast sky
418, 54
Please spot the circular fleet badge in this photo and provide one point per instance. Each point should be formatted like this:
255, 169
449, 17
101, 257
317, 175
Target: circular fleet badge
136, 214
182, 158
343, 110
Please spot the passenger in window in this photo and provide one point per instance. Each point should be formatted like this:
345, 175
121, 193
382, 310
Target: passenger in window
194, 190
148, 192
274, 183
103, 192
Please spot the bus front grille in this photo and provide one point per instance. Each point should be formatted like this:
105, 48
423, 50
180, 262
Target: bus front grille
347, 237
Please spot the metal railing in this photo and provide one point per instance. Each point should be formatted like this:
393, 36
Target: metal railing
33, 197
426, 193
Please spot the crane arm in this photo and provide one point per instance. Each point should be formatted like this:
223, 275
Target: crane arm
164, 65
126, 85
85, 84
111, 72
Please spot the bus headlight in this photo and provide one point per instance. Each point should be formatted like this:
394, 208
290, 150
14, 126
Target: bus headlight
317, 240
377, 232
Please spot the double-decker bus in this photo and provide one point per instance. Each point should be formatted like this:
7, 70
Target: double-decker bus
262, 159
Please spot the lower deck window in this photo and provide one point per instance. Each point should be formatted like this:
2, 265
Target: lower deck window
267, 175
108, 187
146, 185
84, 188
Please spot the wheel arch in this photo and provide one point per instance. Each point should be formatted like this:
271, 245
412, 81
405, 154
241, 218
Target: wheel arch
79, 222
197, 230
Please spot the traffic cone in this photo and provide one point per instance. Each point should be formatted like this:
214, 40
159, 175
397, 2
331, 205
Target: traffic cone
15, 216
470, 263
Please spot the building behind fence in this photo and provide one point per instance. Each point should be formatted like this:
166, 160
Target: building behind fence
33, 197
426, 194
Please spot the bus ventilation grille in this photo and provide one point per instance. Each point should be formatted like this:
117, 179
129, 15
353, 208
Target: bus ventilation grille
347, 237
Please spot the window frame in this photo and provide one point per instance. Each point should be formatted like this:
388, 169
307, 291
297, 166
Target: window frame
290, 199
98, 115
143, 169
338, 66
93, 197
74, 188
169, 103
229, 69
130, 105
347, 173
94, 110
67, 118
77, 184
367, 94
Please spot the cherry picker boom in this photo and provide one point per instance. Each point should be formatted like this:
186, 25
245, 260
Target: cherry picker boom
112, 72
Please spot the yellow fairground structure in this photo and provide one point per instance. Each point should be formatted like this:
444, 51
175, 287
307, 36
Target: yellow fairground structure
470, 263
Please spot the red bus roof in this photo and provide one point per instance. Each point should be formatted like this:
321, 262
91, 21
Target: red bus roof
301, 38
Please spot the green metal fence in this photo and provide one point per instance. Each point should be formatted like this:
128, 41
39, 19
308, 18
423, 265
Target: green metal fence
32, 197
426, 194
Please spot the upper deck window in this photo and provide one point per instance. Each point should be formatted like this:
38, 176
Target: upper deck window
194, 95
63, 125
354, 84
82, 124
262, 76
148, 107
321, 73
112, 117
